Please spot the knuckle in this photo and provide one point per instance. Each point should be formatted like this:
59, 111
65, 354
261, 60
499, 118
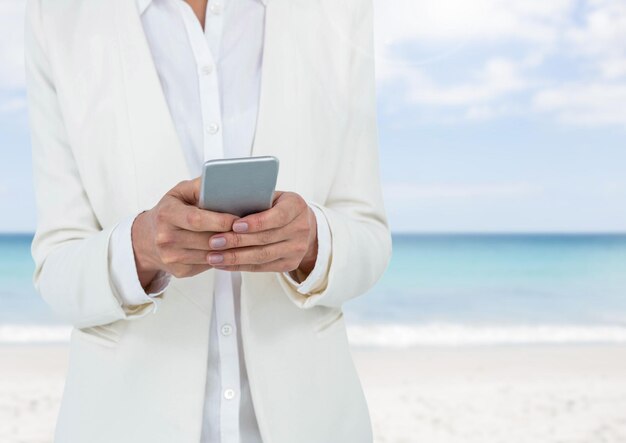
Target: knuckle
163, 237
193, 219
263, 255
258, 222
160, 214
282, 218
231, 258
236, 241
265, 237
221, 222
168, 258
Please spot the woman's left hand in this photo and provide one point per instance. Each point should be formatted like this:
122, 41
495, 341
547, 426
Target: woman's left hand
281, 239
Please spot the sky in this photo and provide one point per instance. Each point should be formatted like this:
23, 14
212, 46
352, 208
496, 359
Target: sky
494, 115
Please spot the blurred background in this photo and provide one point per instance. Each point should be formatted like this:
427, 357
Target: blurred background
503, 152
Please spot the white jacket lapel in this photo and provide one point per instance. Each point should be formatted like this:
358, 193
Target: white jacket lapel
158, 155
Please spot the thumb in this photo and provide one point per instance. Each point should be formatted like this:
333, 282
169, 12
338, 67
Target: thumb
276, 196
188, 191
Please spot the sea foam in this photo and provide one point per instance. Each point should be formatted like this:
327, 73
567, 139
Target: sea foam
27, 334
398, 335
445, 334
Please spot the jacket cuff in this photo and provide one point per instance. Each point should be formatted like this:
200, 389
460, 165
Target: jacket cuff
308, 291
123, 270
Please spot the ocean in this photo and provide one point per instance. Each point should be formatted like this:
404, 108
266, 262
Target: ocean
439, 290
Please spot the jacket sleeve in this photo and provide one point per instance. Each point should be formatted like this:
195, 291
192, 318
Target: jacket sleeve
361, 240
70, 248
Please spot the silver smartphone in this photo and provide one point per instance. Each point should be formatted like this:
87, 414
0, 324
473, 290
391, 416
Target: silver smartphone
239, 186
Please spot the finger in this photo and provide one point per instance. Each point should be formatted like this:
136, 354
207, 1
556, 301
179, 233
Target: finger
287, 206
195, 219
251, 255
176, 256
281, 265
230, 240
183, 239
183, 271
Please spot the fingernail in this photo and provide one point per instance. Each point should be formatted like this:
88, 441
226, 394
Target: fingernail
217, 242
240, 227
215, 258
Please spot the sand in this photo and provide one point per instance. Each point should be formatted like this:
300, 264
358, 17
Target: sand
491, 395
31, 384
534, 394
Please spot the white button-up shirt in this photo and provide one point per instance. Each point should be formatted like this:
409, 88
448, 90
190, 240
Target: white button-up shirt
211, 81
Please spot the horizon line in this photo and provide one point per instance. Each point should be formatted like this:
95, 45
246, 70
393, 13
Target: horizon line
425, 232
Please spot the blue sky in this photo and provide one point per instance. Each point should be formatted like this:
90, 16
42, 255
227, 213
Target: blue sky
494, 115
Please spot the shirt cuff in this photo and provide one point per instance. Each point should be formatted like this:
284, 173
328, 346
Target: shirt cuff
123, 269
317, 277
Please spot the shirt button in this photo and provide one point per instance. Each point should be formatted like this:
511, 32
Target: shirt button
229, 394
212, 128
227, 329
215, 7
206, 70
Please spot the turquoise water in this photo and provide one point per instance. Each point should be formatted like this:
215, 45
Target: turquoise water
440, 283
501, 279
19, 302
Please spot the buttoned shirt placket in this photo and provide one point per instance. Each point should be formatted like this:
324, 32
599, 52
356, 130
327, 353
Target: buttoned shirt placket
223, 345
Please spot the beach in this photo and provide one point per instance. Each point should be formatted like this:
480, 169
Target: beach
509, 394
484, 394
465, 339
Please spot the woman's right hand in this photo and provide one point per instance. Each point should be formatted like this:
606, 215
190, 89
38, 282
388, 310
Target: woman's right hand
173, 237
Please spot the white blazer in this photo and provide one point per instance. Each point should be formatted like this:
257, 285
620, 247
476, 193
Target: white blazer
104, 147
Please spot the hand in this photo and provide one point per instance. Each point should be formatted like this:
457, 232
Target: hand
281, 239
174, 235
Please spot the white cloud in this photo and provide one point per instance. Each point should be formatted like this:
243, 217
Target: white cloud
594, 37
590, 35
613, 68
497, 77
585, 103
446, 20
603, 30
443, 27
490, 111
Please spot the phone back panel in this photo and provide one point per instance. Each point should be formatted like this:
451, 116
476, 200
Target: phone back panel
239, 186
